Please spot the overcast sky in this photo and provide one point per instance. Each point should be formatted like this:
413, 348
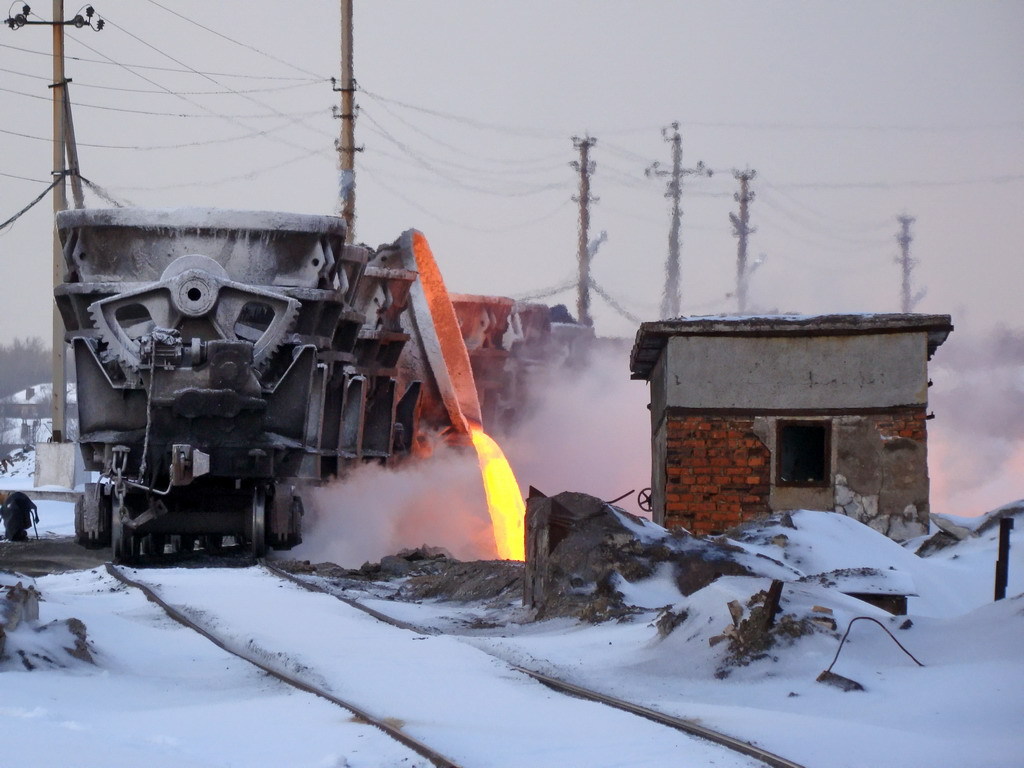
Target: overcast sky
851, 114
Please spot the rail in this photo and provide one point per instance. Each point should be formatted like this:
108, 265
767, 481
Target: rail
562, 686
415, 745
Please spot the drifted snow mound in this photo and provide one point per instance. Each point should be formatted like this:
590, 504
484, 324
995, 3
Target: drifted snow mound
590, 559
601, 562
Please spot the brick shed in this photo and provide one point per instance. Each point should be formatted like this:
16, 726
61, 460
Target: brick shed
754, 415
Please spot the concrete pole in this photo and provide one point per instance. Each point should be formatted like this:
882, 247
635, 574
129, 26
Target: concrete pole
670, 300
742, 228
60, 202
585, 168
346, 144
904, 239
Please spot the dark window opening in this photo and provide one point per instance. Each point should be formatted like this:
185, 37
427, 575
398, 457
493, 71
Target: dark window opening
804, 451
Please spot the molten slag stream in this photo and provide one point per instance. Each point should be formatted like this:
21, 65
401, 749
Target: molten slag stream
504, 499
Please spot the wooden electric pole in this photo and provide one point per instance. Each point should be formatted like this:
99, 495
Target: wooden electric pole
347, 141
585, 166
741, 229
61, 122
671, 298
60, 202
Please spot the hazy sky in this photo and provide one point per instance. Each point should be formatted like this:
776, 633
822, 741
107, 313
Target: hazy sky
851, 113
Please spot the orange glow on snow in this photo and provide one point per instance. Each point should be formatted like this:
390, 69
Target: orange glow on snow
504, 499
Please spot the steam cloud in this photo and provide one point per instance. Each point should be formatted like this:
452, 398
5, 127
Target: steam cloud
976, 443
588, 431
375, 511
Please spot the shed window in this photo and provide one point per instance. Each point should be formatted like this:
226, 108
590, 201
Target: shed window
804, 453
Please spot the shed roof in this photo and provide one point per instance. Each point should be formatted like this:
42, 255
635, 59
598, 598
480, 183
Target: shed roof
652, 336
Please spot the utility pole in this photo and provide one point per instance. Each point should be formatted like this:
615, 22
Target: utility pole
346, 143
671, 298
585, 166
741, 229
904, 238
61, 117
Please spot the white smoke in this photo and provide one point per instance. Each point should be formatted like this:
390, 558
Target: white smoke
590, 432
375, 511
976, 442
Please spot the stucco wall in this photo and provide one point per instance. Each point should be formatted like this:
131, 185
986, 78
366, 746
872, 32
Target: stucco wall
812, 372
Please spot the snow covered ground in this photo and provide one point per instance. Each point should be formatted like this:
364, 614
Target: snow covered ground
159, 695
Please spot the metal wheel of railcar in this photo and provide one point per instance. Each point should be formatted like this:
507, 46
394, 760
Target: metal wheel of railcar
258, 531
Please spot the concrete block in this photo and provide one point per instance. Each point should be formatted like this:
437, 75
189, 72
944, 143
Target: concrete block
55, 464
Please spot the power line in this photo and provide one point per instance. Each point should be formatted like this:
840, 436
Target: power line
611, 302
23, 178
79, 84
845, 224
428, 166
519, 163
544, 293
232, 40
470, 121
44, 193
160, 69
374, 174
154, 147
237, 177
819, 228
167, 114
291, 121
1001, 179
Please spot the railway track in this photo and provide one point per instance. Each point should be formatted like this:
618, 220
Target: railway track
435, 757
297, 673
681, 724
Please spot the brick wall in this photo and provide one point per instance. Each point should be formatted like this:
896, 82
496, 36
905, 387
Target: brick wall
717, 473
909, 422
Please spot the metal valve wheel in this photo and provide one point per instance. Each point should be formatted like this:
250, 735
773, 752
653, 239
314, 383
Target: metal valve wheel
644, 501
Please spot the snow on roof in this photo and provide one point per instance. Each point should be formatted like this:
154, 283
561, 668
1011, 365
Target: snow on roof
652, 336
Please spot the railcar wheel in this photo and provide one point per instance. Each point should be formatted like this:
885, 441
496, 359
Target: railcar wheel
258, 532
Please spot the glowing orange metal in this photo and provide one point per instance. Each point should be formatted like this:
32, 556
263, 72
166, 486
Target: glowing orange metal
504, 499
453, 374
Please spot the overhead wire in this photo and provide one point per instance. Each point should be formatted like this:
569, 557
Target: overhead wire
419, 160
257, 133
520, 165
160, 69
223, 92
818, 228
27, 208
470, 121
126, 110
251, 174
847, 224
611, 302
370, 172
154, 147
544, 293
1007, 178
23, 178
212, 79
232, 40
